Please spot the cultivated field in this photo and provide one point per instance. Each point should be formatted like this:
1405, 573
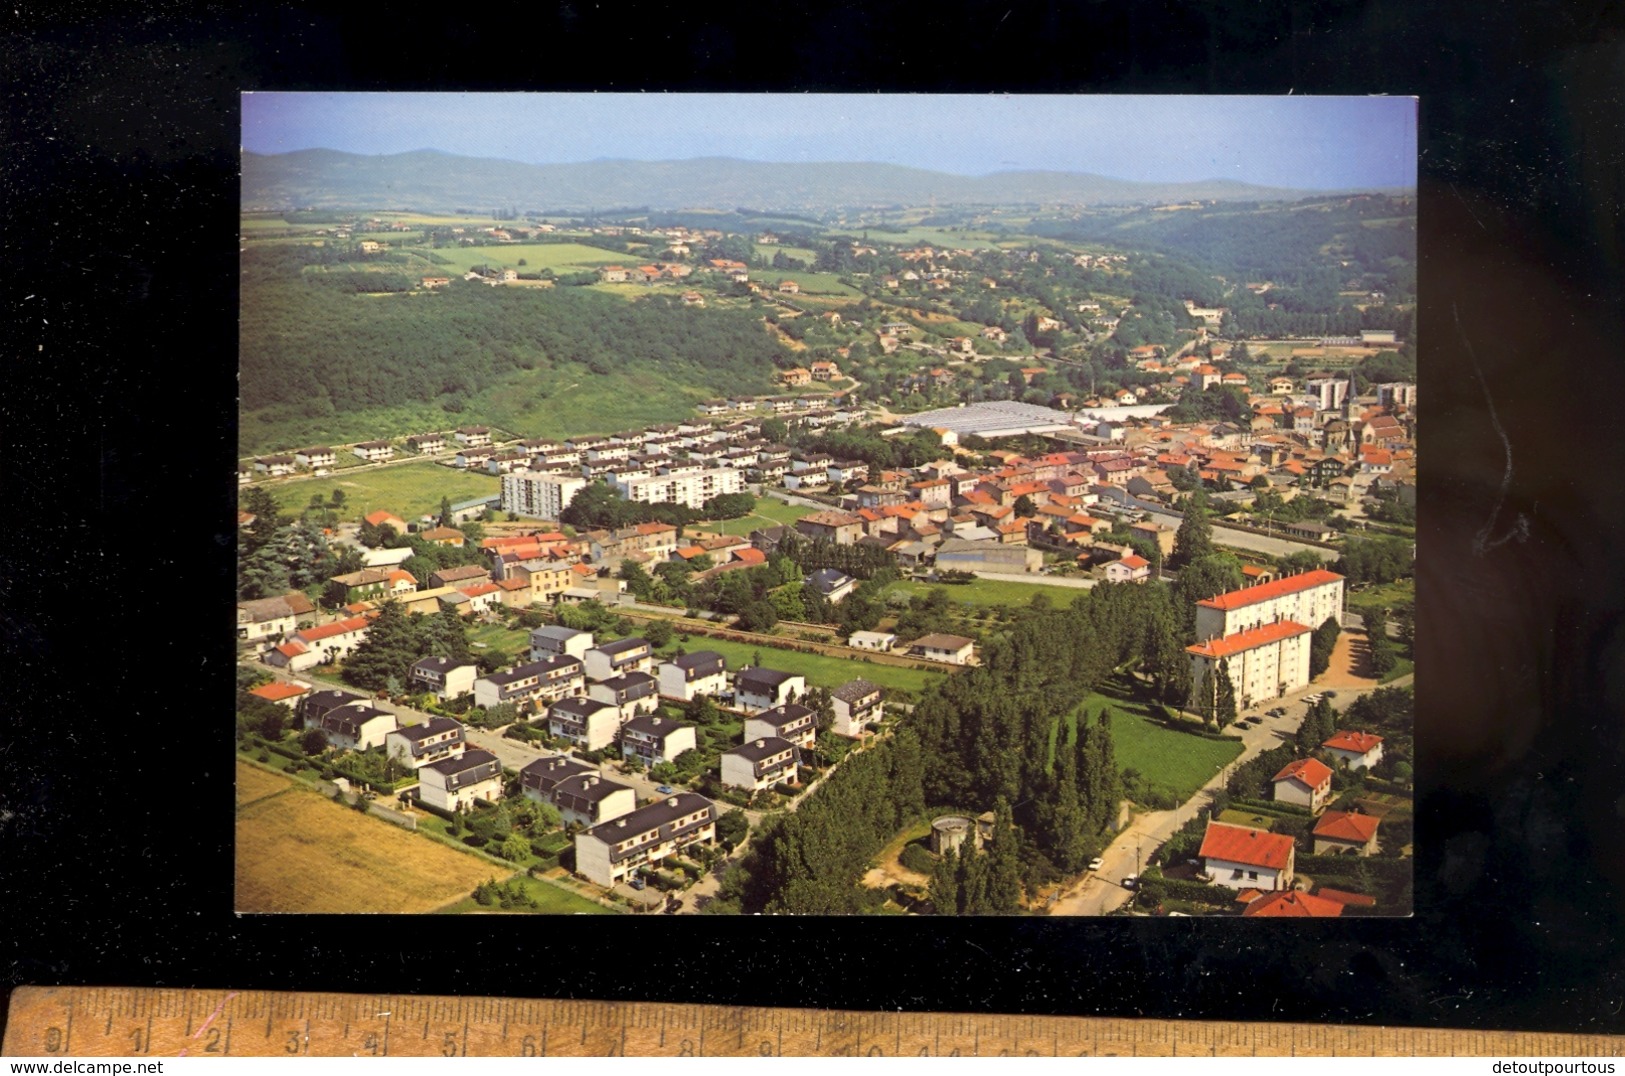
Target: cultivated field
559, 257
255, 784
408, 490
301, 852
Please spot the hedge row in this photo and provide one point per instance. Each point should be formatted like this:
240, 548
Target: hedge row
1272, 807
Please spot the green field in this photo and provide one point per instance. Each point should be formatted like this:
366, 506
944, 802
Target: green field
811, 283
820, 671
769, 513
936, 237
408, 490
984, 593
552, 900
1176, 761
555, 256
768, 250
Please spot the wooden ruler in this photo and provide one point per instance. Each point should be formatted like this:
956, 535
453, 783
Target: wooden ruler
120, 1022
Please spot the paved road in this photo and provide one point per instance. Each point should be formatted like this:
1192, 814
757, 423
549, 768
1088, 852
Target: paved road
1102, 892
1254, 543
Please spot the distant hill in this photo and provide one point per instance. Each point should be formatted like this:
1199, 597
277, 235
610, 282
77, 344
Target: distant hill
429, 180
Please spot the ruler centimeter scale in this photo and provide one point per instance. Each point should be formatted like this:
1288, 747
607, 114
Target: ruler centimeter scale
130, 1022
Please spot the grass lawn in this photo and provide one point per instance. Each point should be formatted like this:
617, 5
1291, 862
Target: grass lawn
1245, 816
820, 671
553, 901
984, 593
511, 641
1402, 667
408, 490
1177, 761
1395, 596
769, 513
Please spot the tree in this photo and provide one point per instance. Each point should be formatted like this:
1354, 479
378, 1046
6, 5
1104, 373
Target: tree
388, 651
1321, 645
1224, 713
1194, 538
1024, 507
1004, 862
945, 884
445, 512
514, 847
658, 633
313, 742
732, 828
1215, 573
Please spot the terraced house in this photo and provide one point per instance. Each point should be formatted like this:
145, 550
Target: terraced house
454, 784
531, 684
586, 722
417, 746
609, 853
760, 764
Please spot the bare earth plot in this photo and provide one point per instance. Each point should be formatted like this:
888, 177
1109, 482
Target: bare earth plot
300, 852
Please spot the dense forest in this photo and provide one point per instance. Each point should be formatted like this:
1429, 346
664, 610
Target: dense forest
309, 341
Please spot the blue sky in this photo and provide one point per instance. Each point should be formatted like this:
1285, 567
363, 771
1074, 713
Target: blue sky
1304, 142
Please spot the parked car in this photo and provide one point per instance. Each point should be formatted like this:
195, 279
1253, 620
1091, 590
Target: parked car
1331, 694
639, 883
1095, 863
1130, 881
664, 790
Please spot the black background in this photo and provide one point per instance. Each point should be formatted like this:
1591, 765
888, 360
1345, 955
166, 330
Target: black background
120, 251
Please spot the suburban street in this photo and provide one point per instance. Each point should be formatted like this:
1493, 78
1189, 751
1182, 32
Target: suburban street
1101, 892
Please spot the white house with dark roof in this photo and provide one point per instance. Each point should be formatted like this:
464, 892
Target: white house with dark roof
586, 722
455, 783
609, 660
589, 799
951, 649
443, 677
760, 763
856, 703
631, 694
538, 779
609, 853
704, 672
356, 726
758, 688
832, 586
552, 641
531, 684
264, 619
652, 739
317, 703
792, 722
417, 746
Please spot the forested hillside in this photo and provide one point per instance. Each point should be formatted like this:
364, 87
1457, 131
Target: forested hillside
314, 344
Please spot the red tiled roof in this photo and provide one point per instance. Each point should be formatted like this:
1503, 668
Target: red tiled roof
276, 692
1306, 771
1241, 844
1347, 826
1246, 640
1291, 904
1359, 742
514, 584
480, 588
750, 556
1133, 561
290, 650
1292, 584
1343, 896
377, 519
338, 627
401, 573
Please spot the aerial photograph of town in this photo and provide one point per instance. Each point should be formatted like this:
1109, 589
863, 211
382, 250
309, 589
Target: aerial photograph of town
826, 505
